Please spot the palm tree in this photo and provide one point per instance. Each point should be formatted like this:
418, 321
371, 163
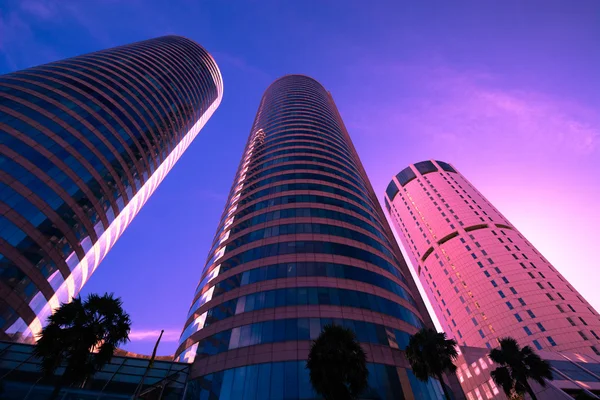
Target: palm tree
82, 336
517, 365
430, 354
337, 364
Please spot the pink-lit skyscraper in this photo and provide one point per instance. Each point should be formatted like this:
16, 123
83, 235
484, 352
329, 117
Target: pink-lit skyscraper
483, 278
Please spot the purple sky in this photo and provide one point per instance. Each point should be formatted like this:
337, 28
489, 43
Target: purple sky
508, 92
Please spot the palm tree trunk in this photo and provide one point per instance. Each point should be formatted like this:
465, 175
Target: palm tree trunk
60, 383
530, 391
55, 392
444, 388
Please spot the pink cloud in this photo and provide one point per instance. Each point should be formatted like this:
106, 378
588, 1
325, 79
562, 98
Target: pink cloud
170, 335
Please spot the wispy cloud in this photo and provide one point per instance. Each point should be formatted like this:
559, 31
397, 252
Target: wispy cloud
240, 64
441, 105
39, 8
170, 335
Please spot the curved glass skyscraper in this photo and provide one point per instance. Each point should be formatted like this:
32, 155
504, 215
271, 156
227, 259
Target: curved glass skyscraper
302, 243
84, 142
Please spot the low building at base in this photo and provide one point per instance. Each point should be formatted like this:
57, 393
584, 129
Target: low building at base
573, 374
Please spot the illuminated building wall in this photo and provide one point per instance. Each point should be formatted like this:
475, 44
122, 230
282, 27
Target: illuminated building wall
483, 278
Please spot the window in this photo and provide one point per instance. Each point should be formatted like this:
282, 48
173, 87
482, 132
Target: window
512, 289
595, 350
582, 321
509, 305
481, 334
541, 327
551, 341
582, 335
466, 371
483, 363
560, 308
531, 314
504, 279
474, 321
560, 295
595, 335
521, 301
501, 293
486, 274
493, 385
537, 345
539, 285
480, 264
474, 256
478, 393
527, 331
549, 296
518, 317
571, 307
497, 270
494, 284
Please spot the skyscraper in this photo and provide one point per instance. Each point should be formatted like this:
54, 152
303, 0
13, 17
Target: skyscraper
84, 142
302, 243
484, 279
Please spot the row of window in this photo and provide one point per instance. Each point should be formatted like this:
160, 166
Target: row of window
261, 158
274, 160
264, 151
286, 187
289, 380
307, 198
308, 247
293, 329
308, 228
298, 296
311, 167
304, 269
58, 173
294, 134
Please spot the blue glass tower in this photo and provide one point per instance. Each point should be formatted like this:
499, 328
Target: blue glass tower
302, 243
84, 142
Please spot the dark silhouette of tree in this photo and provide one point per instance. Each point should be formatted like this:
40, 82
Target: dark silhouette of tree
517, 365
337, 364
430, 354
82, 336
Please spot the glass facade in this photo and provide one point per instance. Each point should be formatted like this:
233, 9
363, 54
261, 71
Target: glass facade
83, 143
118, 379
302, 242
289, 380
